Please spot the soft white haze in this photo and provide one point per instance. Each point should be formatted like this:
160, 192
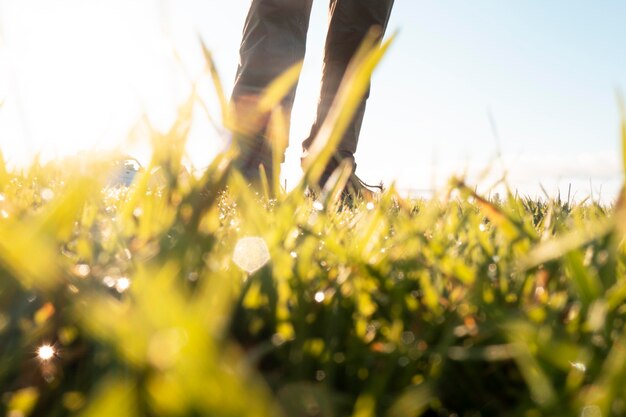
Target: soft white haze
76, 74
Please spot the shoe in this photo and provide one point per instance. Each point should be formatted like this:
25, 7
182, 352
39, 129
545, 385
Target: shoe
254, 154
356, 189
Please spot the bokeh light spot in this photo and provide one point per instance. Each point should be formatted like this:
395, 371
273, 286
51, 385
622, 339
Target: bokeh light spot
251, 254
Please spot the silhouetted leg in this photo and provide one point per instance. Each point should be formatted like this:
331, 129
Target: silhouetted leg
274, 39
350, 21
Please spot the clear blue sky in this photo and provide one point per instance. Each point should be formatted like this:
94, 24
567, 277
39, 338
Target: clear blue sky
76, 73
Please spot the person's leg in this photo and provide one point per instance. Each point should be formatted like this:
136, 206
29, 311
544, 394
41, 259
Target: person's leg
350, 21
274, 39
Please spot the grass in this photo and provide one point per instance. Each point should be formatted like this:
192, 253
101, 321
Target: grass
185, 296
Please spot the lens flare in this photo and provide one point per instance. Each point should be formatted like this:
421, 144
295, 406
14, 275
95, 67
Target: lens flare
46, 352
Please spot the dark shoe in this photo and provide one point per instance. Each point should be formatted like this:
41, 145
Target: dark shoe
356, 189
253, 153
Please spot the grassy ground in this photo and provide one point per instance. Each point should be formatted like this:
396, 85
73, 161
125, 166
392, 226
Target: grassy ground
171, 298
184, 296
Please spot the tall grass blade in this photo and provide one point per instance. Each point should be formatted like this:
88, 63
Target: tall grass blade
351, 91
412, 403
278, 134
557, 247
585, 282
40, 271
217, 82
250, 116
336, 184
207, 191
116, 396
279, 88
504, 221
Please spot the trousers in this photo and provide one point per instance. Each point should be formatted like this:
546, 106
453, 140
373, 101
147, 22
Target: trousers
274, 39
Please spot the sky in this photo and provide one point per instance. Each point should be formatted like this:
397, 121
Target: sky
467, 87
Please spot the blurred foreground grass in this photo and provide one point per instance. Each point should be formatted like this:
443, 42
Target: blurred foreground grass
195, 296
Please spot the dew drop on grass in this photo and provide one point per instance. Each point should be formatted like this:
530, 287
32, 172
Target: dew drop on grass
591, 411
540, 291
579, 366
47, 194
108, 281
318, 206
277, 339
251, 254
82, 270
370, 206
122, 284
482, 227
319, 296
294, 255
124, 255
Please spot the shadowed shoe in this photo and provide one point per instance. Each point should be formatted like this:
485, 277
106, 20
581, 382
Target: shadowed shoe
253, 153
354, 189
357, 189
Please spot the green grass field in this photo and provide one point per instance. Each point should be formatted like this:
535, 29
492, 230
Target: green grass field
185, 296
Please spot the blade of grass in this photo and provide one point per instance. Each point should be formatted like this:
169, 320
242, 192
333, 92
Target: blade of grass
556, 248
279, 88
509, 226
331, 195
350, 94
215, 77
248, 117
278, 134
585, 283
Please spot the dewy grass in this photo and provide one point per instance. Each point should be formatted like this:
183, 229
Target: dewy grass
185, 296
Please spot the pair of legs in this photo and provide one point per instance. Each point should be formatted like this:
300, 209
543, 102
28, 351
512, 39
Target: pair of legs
274, 39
